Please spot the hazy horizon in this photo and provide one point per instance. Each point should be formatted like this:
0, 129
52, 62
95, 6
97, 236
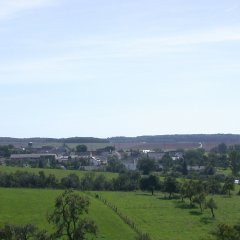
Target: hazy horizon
119, 68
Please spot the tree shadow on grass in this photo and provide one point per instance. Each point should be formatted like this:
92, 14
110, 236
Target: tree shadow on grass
167, 198
145, 194
184, 205
195, 213
207, 220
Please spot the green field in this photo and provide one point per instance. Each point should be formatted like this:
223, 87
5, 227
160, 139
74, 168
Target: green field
163, 219
167, 219
59, 173
21, 206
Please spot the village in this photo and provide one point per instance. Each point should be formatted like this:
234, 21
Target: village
64, 157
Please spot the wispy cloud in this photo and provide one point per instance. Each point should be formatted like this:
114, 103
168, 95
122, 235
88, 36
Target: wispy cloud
233, 8
9, 8
76, 57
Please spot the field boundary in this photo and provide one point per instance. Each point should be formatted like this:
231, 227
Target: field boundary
125, 218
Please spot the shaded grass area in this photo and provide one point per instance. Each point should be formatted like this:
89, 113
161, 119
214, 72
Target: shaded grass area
21, 206
167, 219
59, 173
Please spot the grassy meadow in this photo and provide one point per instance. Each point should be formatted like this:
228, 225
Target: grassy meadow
22, 206
166, 219
161, 218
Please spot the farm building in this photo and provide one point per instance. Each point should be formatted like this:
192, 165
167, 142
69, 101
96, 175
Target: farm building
33, 156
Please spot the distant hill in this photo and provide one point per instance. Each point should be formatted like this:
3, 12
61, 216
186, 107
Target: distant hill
164, 142
194, 138
54, 140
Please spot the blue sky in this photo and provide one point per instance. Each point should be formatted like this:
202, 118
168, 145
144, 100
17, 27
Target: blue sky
111, 68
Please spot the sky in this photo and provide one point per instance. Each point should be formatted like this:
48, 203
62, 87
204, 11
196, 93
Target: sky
106, 68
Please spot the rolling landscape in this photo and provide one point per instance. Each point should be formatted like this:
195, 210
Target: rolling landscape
124, 204
119, 120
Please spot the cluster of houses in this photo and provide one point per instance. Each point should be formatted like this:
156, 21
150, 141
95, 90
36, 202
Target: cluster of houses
91, 160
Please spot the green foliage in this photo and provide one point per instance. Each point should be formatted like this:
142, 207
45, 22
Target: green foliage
194, 157
227, 232
199, 198
146, 165
81, 148
228, 185
150, 183
115, 165
5, 151
167, 162
127, 181
25, 232
170, 185
234, 158
184, 168
67, 217
211, 204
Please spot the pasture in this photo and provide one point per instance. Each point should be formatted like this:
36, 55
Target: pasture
22, 206
166, 219
162, 218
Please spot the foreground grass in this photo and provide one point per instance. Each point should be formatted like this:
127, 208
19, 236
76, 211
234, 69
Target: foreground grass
59, 173
22, 206
167, 219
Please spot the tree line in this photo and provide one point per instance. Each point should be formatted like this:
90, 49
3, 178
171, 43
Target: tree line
126, 181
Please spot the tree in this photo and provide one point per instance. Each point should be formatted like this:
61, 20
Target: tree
170, 185
184, 168
150, 183
115, 165
227, 232
199, 199
146, 165
228, 185
214, 186
71, 181
81, 148
234, 158
211, 205
166, 162
222, 148
25, 232
67, 217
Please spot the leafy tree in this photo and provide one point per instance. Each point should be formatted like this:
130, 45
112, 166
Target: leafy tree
194, 156
184, 168
115, 165
67, 217
127, 181
25, 232
234, 158
214, 186
227, 232
146, 165
71, 181
211, 205
188, 190
5, 151
150, 183
167, 162
200, 199
222, 148
228, 185
81, 148
170, 185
